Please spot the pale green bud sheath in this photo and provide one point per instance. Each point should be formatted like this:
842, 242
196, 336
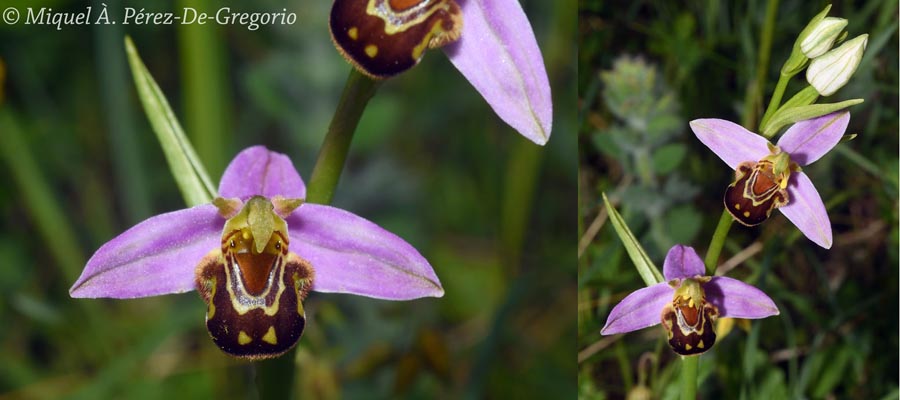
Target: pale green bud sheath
833, 70
822, 37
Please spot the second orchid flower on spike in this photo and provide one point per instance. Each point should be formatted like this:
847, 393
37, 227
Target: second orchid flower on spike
490, 42
688, 304
769, 176
254, 254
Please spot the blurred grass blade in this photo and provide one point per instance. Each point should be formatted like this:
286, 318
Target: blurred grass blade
191, 177
645, 267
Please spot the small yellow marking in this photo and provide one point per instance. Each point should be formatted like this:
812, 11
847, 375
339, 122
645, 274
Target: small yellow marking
687, 346
269, 337
700, 345
243, 338
737, 206
212, 306
746, 214
419, 49
371, 50
353, 33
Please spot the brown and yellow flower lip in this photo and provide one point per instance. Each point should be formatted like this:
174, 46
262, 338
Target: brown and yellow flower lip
383, 38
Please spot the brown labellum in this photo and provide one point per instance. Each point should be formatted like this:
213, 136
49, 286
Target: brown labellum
755, 192
254, 298
383, 38
690, 325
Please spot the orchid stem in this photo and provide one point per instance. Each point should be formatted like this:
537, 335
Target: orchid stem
765, 53
775, 102
718, 240
330, 163
689, 377
275, 378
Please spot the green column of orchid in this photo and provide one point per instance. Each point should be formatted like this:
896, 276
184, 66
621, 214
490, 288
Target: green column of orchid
275, 377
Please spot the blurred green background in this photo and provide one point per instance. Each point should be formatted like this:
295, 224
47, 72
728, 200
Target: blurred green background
646, 69
430, 162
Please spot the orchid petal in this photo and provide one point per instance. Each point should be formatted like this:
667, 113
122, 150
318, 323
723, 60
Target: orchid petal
353, 255
682, 262
737, 299
157, 256
498, 54
730, 141
806, 210
807, 141
640, 309
258, 171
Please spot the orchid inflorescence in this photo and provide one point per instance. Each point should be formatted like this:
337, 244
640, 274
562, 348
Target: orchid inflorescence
767, 176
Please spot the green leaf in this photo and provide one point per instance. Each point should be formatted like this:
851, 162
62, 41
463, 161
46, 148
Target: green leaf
667, 157
645, 267
191, 177
784, 117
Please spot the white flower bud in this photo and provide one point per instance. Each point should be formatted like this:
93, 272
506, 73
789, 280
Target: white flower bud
832, 70
822, 36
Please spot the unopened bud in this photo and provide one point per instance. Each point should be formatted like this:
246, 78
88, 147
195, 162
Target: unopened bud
832, 70
822, 36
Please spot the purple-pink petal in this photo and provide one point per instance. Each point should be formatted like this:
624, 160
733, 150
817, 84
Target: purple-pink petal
682, 262
807, 211
353, 255
640, 309
157, 256
498, 54
807, 141
737, 299
258, 171
730, 141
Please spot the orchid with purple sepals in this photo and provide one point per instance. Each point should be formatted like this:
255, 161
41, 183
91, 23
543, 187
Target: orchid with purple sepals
803, 143
688, 303
349, 254
490, 42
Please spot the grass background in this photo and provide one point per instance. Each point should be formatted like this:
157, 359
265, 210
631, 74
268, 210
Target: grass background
430, 162
647, 68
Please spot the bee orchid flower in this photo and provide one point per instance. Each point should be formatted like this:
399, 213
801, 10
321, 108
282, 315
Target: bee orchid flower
688, 304
490, 42
768, 176
254, 254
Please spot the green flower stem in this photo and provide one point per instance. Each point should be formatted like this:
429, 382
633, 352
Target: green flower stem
275, 377
775, 102
718, 240
357, 92
689, 377
762, 66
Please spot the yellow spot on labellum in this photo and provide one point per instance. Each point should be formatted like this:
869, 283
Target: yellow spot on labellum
687, 346
746, 214
737, 206
700, 345
269, 337
353, 33
371, 50
243, 338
